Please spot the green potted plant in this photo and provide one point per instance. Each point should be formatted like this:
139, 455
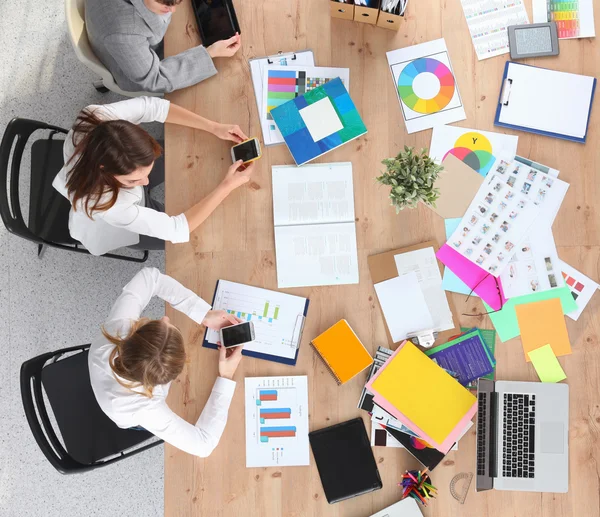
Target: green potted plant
411, 177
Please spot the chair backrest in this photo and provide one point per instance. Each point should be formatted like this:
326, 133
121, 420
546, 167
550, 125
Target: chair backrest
12, 146
75, 14
89, 438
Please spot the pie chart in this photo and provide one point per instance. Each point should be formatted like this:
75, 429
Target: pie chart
433, 77
475, 150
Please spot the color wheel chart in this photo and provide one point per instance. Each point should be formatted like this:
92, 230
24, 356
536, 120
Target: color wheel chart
475, 150
276, 421
426, 85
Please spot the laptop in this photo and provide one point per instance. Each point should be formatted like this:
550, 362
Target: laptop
522, 436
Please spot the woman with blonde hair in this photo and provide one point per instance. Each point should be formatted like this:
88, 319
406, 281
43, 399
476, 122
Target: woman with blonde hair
133, 364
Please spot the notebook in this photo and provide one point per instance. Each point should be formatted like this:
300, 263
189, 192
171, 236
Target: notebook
440, 414
406, 508
545, 102
345, 460
315, 230
319, 121
342, 352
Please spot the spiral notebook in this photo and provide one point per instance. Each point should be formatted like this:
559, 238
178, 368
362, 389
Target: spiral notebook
342, 352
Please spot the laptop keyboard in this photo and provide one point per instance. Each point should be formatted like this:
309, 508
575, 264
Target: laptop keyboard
518, 451
481, 432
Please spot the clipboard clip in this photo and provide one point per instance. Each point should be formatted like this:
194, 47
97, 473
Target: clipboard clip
506, 89
279, 55
297, 332
424, 338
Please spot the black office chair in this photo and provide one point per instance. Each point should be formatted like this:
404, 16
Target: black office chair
48, 210
90, 438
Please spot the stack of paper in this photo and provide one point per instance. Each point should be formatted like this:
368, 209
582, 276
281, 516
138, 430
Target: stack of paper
439, 417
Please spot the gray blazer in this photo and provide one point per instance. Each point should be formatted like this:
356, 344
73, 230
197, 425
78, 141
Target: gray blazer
125, 35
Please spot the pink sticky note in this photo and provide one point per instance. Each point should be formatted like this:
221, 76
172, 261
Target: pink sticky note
472, 275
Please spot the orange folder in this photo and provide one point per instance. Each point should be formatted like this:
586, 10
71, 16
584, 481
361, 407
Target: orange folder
342, 352
543, 323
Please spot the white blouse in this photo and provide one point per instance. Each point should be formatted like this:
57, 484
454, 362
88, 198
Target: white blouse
121, 224
129, 408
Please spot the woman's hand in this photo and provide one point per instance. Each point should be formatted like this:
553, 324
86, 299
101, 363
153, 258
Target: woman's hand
229, 132
229, 359
216, 320
225, 47
238, 174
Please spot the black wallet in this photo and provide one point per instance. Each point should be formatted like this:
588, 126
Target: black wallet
345, 460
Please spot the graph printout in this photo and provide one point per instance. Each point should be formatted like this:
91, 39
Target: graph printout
277, 317
276, 421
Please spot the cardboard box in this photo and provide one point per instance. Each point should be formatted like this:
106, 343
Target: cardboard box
343, 10
367, 14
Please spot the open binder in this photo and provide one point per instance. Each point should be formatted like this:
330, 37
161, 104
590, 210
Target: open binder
545, 102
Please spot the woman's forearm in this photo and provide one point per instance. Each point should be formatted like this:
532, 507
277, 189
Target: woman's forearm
183, 117
201, 211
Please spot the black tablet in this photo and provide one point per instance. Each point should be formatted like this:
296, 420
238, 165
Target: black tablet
216, 20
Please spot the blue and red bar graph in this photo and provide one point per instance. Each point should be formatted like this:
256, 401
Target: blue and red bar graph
277, 432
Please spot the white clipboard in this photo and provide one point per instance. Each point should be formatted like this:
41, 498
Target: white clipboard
257, 67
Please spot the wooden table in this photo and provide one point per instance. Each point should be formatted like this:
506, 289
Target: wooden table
236, 243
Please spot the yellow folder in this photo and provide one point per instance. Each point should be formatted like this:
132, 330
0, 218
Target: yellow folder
342, 351
423, 392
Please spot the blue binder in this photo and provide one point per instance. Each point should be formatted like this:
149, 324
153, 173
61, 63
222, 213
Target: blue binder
504, 99
258, 355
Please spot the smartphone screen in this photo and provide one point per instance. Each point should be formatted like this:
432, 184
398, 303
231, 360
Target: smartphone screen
216, 20
237, 334
246, 151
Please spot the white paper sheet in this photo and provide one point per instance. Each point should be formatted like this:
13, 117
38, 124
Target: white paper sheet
585, 16
478, 149
314, 76
535, 266
321, 254
277, 317
424, 264
404, 307
547, 100
315, 231
487, 21
291, 407
315, 193
582, 288
257, 67
511, 200
426, 86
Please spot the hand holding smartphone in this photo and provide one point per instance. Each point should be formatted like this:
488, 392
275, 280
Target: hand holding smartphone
236, 335
247, 151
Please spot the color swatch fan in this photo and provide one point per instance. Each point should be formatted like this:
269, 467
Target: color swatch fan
318, 121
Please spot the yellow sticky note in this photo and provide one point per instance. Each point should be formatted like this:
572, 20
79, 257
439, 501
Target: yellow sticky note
546, 364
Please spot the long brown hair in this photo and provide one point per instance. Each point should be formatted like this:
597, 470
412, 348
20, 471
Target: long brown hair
105, 149
152, 353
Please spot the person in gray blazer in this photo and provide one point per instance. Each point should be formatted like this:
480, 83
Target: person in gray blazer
126, 36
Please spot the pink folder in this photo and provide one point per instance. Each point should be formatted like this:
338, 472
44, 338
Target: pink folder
450, 440
472, 275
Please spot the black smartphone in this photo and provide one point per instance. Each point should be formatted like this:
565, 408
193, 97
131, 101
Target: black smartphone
216, 20
247, 151
237, 335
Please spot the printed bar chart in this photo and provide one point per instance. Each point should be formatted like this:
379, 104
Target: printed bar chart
270, 413
277, 432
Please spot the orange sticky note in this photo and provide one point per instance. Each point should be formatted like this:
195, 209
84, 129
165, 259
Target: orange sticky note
543, 323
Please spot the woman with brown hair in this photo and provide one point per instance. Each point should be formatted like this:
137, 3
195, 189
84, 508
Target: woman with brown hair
108, 160
133, 364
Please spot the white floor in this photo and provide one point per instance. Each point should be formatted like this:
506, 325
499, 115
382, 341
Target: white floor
61, 299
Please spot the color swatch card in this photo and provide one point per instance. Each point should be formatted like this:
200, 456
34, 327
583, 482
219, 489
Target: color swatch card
542, 323
257, 71
489, 337
487, 21
478, 149
449, 406
285, 83
503, 212
582, 288
319, 121
546, 364
424, 264
315, 230
404, 306
276, 421
426, 86
535, 266
574, 19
